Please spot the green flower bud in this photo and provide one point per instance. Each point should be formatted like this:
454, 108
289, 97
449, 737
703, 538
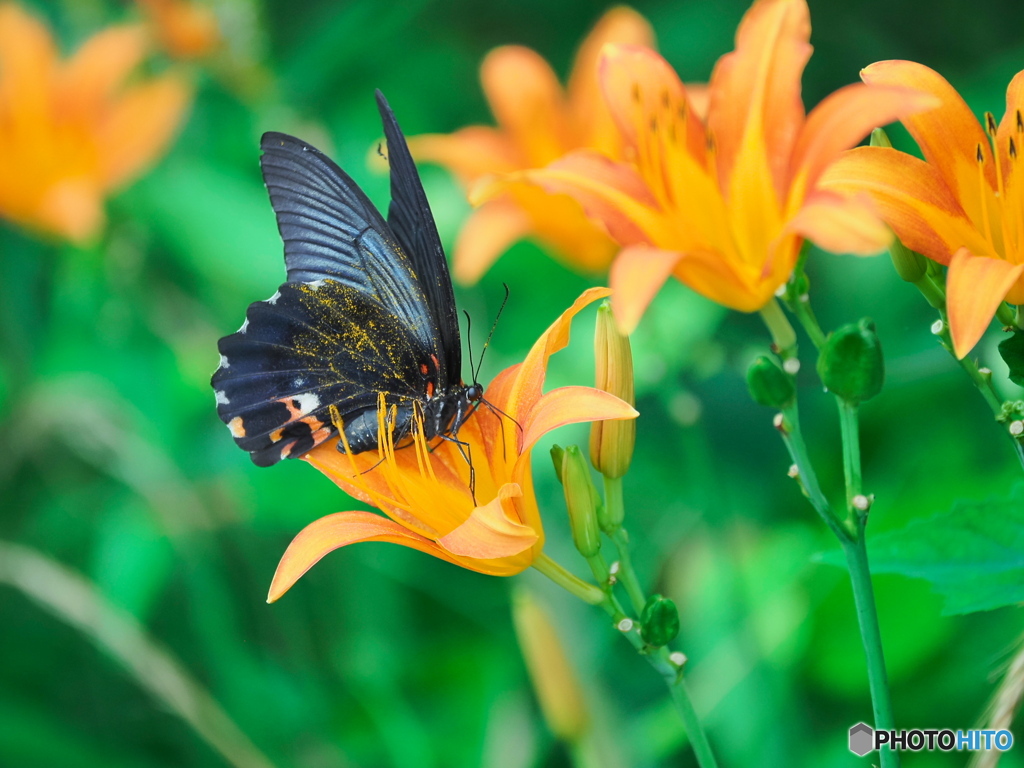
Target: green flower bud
557, 458
769, 384
581, 501
910, 265
659, 623
611, 441
851, 364
879, 138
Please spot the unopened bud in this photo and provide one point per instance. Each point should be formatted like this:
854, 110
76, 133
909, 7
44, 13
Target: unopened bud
659, 623
910, 265
581, 501
557, 458
611, 442
769, 384
879, 138
558, 689
851, 364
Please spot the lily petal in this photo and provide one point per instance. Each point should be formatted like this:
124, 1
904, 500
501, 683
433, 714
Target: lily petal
572, 405
100, 66
488, 232
911, 196
593, 123
469, 153
27, 51
636, 277
611, 192
975, 286
1011, 128
338, 530
949, 136
844, 118
756, 88
556, 220
842, 224
526, 99
490, 532
140, 126
529, 381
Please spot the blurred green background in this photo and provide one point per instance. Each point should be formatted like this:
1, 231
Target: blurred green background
115, 465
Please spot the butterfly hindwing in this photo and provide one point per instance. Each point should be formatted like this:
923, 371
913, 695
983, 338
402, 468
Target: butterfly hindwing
413, 225
311, 346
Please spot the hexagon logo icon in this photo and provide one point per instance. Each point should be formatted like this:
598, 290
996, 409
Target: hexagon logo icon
862, 739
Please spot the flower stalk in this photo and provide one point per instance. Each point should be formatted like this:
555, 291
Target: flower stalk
849, 358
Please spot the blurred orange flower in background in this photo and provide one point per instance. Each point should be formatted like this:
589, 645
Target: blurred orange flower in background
72, 132
962, 206
724, 202
186, 30
493, 528
538, 122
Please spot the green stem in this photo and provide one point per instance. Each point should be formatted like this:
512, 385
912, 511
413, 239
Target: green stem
849, 532
793, 437
981, 381
627, 626
584, 591
801, 307
783, 335
871, 638
676, 683
849, 426
627, 574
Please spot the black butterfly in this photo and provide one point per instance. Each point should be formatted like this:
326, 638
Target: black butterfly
367, 308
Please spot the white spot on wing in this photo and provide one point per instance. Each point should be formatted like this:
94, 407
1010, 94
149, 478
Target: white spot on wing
316, 284
245, 326
307, 402
222, 399
273, 299
223, 363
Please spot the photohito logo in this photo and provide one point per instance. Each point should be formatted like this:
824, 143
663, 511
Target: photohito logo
864, 739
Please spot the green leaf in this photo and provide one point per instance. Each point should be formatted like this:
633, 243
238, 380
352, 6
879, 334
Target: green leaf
1012, 351
972, 555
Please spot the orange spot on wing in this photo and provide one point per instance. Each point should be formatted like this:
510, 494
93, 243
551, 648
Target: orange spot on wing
237, 427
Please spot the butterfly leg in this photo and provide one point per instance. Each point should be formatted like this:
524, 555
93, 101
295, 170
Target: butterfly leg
466, 450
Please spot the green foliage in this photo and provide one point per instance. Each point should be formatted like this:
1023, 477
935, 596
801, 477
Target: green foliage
973, 555
1011, 349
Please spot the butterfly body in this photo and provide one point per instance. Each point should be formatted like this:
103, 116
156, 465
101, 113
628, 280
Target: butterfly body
367, 312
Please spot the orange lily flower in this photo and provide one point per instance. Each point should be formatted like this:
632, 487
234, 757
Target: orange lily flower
962, 206
186, 30
724, 202
425, 492
538, 122
71, 131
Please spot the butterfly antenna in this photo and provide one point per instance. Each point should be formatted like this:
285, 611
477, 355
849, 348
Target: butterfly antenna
487, 343
469, 342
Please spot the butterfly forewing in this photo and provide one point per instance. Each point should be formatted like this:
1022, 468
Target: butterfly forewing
413, 225
331, 230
